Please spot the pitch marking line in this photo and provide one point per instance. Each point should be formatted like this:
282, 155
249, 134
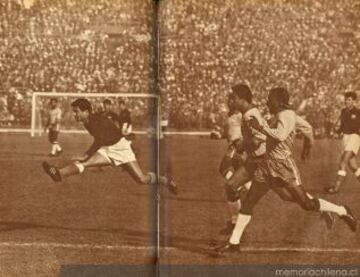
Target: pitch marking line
133, 247
74, 246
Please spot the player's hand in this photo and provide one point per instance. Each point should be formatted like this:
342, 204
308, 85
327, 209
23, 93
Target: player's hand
80, 158
306, 151
254, 123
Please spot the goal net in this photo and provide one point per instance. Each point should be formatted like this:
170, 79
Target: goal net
144, 109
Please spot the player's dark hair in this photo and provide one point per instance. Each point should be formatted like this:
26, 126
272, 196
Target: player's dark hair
107, 102
53, 100
83, 104
121, 102
281, 95
350, 94
243, 92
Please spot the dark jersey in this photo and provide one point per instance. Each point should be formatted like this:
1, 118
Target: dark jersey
103, 130
350, 121
113, 117
124, 117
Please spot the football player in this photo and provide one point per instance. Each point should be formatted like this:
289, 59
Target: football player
53, 127
108, 112
109, 148
125, 123
277, 170
350, 128
248, 148
230, 163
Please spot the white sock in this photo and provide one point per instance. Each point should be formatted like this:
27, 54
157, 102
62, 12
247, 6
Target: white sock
241, 223
326, 206
357, 173
234, 208
248, 185
58, 148
152, 176
53, 149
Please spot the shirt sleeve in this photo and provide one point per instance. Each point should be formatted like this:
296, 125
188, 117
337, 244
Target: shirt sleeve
305, 128
284, 126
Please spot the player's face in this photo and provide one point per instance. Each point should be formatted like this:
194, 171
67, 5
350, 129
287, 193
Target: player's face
349, 103
272, 104
80, 116
236, 103
53, 104
107, 107
231, 103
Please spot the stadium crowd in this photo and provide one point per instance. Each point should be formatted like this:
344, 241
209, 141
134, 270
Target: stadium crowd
72, 46
310, 46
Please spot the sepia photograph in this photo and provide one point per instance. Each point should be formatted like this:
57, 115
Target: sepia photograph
179, 138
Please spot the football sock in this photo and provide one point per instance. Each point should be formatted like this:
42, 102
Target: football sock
72, 169
57, 146
357, 174
53, 149
241, 223
341, 174
152, 178
234, 208
326, 206
248, 185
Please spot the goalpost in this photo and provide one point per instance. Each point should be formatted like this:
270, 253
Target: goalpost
145, 109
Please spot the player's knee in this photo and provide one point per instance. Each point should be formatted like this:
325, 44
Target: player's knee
247, 208
225, 166
231, 194
311, 205
80, 166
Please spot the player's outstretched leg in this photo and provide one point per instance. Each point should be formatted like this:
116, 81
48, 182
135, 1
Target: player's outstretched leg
77, 167
256, 192
318, 204
235, 180
285, 195
150, 178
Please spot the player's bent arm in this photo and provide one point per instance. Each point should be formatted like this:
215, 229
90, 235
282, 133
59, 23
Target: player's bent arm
305, 128
93, 148
285, 125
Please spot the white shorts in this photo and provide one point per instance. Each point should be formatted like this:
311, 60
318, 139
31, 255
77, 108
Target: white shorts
118, 153
351, 143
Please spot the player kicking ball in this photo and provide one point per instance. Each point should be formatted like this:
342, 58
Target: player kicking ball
277, 171
109, 148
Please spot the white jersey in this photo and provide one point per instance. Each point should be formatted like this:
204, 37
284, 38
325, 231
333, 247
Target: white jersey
281, 134
54, 119
252, 136
233, 127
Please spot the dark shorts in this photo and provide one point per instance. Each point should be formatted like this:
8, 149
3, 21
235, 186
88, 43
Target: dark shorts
278, 172
244, 173
53, 136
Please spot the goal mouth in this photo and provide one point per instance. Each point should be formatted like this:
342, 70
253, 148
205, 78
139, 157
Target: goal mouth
144, 109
